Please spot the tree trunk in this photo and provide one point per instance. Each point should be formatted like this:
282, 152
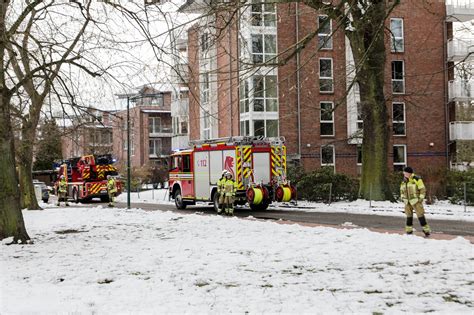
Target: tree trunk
368, 48
11, 218
25, 162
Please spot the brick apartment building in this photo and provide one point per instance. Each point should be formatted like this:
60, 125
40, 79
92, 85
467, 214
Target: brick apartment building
229, 96
105, 132
91, 133
150, 128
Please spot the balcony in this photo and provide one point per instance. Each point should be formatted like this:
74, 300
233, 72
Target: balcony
158, 155
181, 44
460, 49
461, 90
161, 133
459, 10
461, 130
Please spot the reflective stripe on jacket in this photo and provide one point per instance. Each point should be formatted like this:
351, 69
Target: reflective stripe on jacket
412, 189
111, 187
62, 188
230, 187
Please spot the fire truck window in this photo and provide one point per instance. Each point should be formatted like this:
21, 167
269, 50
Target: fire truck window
186, 163
177, 162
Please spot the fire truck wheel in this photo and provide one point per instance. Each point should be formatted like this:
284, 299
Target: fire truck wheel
178, 200
215, 202
75, 195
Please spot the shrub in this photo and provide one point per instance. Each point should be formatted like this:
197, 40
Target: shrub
455, 186
316, 186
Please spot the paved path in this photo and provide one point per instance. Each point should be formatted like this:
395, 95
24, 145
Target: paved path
442, 229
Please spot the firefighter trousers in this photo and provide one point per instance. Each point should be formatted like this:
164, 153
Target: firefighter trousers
418, 207
229, 204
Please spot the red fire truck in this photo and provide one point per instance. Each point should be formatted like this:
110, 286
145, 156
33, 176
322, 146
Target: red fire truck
258, 165
86, 177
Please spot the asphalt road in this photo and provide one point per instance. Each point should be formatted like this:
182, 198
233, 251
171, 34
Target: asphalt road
374, 222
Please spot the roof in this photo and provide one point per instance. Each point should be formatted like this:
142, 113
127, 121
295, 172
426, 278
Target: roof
194, 6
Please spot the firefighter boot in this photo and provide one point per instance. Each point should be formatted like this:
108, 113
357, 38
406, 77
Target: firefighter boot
425, 226
409, 226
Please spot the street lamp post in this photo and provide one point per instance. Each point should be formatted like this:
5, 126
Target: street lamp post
128, 152
132, 97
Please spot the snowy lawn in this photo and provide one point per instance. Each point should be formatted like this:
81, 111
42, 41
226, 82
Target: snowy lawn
109, 261
440, 210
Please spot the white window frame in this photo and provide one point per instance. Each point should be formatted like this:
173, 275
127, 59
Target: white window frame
155, 152
206, 125
265, 55
326, 78
244, 95
398, 80
152, 123
262, 15
333, 155
399, 121
324, 40
404, 157
394, 39
360, 120
321, 121
205, 90
264, 98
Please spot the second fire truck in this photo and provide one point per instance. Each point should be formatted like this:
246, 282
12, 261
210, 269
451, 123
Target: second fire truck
86, 177
257, 164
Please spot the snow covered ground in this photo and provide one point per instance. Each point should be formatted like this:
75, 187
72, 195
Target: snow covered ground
101, 260
441, 210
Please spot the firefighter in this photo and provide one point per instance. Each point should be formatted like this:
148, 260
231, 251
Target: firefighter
220, 191
412, 192
62, 191
111, 189
230, 187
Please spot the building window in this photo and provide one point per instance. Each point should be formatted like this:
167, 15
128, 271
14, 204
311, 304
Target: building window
184, 127
157, 100
271, 128
205, 88
327, 155
399, 119
399, 157
398, 77
359, 154
154, 124
206, 125
360, 120
244, 127
324, 32
263, 14
263, 48
396, 30
244, 96
327, 119
132, 144
259, 127
265, 96
204, 42
155, 147
325, 75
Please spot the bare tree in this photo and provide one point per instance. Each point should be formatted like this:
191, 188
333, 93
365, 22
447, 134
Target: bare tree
43, 47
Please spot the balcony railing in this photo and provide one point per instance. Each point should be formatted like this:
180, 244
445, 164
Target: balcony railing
460, 49
160, 133
459, 10
461, 130
461, 90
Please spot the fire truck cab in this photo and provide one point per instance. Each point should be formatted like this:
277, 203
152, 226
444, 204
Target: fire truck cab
258, 165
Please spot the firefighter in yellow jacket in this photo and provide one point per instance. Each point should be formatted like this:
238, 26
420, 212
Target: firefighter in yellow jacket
220, 191
111, 189
62, 191
412, 192
230, 187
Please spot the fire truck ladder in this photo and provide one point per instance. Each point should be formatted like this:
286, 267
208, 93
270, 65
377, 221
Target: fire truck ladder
238, 140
